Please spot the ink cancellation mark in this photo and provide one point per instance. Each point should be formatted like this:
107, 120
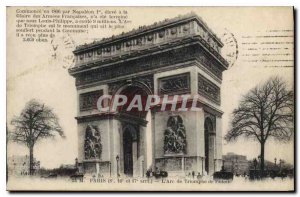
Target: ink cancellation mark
230, 49
61, 50
269, 48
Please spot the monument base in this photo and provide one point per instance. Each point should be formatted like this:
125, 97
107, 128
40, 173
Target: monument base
95, 167
182, 164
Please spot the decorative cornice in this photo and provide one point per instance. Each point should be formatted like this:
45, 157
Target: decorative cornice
178, 32
153, 49
148, 63
146, 29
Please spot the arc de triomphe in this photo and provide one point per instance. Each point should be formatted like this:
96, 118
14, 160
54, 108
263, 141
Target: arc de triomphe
174, 57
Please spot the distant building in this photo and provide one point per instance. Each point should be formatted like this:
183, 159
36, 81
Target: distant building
19, 165
238, 164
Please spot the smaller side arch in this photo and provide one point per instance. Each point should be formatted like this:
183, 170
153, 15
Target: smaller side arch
130, 130
209, 145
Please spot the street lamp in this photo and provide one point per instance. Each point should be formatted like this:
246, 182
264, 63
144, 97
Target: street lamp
215, 164
202, 158
109, 169
143, 167
117, 158
275, 160
76, 162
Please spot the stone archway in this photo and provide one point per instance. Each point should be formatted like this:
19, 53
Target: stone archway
133, 138
143, 63
129, 149
131, 91
209, 148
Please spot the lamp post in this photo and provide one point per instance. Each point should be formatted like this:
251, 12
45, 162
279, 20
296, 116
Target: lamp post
255, 164
117, 158
109, 169
76, 165
223, 165
143, 168
280, 163
202, 158
215, 164
76, 162
275, 160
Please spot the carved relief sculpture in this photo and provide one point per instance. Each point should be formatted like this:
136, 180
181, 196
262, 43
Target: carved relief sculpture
208, 89
175, 136
176, 84
88, 101
92, 143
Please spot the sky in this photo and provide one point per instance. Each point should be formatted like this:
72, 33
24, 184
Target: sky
33, 73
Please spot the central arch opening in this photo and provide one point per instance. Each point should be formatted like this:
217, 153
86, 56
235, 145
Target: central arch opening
134, 137
127, 150
132, 93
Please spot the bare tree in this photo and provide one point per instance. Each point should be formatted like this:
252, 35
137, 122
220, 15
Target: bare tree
265, 112
35, 122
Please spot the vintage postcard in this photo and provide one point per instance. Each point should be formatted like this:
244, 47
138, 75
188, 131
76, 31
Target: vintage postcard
150, 99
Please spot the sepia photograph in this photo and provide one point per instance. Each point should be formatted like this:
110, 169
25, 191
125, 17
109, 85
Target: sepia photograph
150, 98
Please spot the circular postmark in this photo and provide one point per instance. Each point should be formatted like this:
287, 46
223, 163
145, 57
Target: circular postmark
62, 47
230, 50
